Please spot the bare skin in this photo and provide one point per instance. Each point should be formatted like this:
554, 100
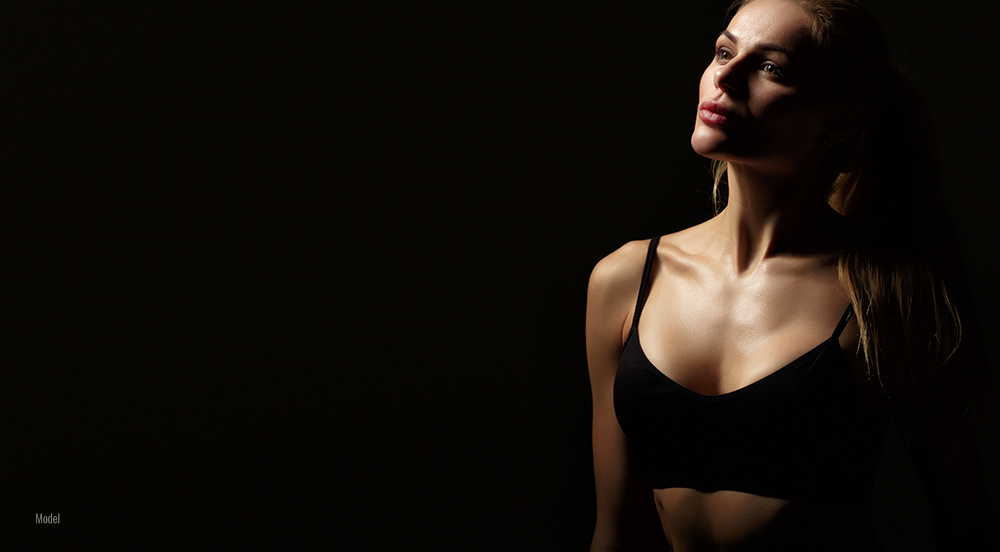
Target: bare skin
787, 305
740, 296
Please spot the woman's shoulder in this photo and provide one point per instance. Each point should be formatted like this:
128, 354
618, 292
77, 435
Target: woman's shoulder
621, 270
613, 286
620, 273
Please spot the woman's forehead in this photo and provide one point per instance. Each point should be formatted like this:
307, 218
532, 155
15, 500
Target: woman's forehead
776, 22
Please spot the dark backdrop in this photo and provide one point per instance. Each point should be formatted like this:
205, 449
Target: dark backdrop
317, 274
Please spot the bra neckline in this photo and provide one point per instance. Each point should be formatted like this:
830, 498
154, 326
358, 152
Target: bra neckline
634, 334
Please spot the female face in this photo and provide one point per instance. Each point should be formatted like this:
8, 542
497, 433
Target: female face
760, 100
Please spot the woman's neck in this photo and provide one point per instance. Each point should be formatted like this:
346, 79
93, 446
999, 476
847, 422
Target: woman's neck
772, 214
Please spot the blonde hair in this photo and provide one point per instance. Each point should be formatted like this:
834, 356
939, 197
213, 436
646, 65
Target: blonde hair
882, 180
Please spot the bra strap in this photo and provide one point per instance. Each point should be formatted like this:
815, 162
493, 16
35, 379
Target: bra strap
641, 300
844, 320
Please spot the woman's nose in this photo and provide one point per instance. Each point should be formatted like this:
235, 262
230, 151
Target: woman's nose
725, 77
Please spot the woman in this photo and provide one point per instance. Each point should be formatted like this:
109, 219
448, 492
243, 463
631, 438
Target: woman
745, 369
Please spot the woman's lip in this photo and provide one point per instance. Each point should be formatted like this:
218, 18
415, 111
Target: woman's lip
715, 113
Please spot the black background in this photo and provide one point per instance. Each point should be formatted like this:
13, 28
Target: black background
317, 274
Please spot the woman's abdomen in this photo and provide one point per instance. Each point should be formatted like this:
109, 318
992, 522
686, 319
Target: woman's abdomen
732, 521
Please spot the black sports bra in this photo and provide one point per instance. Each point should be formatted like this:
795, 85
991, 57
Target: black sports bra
800, 433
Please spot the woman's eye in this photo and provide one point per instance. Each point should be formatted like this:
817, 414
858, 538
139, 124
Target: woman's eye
772, 69
722, 55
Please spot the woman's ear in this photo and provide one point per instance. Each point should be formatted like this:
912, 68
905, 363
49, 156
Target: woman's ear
841, 125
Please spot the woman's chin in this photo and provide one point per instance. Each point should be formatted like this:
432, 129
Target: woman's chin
706, 146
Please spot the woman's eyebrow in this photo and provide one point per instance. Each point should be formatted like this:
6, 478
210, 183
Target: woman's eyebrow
763, 46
